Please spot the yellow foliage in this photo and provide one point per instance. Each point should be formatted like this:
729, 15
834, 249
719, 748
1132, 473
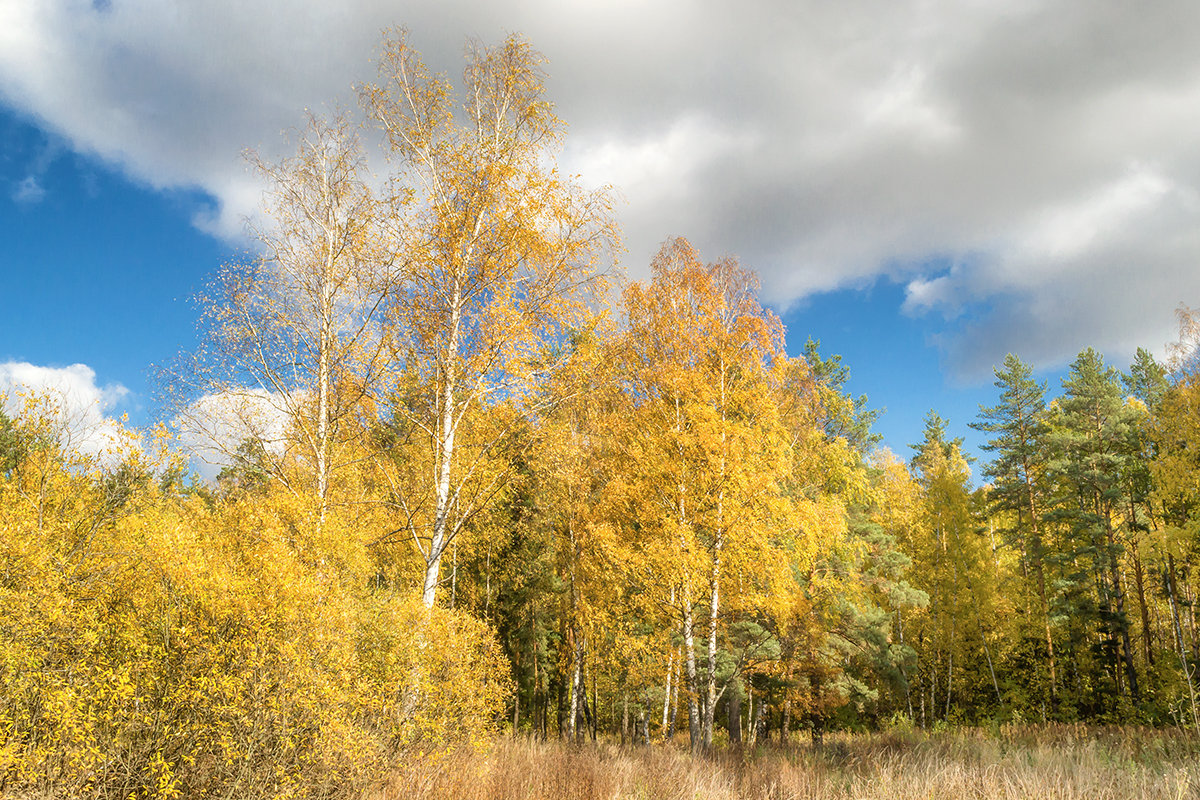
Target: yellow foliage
164, 646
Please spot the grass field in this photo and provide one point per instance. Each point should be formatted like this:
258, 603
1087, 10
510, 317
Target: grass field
1058, 762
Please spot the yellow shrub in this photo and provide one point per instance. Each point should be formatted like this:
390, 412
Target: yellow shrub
174, 648
438, 675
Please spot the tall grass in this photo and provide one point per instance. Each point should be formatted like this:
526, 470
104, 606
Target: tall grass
1059, 762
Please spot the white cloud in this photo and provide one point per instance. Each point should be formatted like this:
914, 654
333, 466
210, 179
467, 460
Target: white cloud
29, 190
212, 427
84, 407
1049, 148
922, 294
1102, 269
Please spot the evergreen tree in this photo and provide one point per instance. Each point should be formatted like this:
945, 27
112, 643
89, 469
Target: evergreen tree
1091, 442
1018, 427
1147, 379
844, 416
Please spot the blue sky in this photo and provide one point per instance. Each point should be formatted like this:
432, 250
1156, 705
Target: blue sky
98, 269
923, 188
892, 360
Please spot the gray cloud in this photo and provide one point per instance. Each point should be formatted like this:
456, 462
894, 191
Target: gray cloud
1030, 169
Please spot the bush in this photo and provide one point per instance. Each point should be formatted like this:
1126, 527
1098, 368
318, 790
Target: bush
178, 648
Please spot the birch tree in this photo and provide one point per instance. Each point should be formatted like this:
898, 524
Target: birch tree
503, 255
291, 342
1176, 433
701, 351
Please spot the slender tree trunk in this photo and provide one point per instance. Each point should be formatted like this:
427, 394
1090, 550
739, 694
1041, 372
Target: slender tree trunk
674, 706
447, 398
545, 707
454, 574
689, 639
561, 709
624, 719
689, 649
785, 730
903, 671
750, 706
734, 719
932, 673
1183, 658
818, 717
323, 425
711, 696
991, 670
1147, 631
588, 709
710, 702
1100, 568
949, 680
755, 723
595, 715
1191, 613
1041, 580
667, 690
1119, 595
539, 708
576, 680
1041, 575
953, 637
325, 346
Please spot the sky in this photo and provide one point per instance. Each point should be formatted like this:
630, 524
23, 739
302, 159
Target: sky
922, 186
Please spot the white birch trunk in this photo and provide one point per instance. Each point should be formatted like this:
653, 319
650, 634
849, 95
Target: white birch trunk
674, 704
667, 692
710, 701
689, 648
324, 378
576, 678
445, 459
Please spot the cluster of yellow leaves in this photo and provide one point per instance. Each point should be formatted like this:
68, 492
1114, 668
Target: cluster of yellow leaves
1176, 430
157, 644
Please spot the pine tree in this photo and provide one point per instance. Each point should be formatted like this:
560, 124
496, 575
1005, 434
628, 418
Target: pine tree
1019, 430
1091, 442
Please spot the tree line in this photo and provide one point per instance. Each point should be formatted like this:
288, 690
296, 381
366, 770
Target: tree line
1072, 569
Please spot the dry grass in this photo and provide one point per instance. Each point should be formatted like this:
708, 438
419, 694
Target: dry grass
1059, 762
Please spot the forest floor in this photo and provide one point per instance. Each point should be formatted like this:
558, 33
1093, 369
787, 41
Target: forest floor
1057, 761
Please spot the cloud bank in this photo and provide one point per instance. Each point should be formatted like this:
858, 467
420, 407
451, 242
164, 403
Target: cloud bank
1030, 170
